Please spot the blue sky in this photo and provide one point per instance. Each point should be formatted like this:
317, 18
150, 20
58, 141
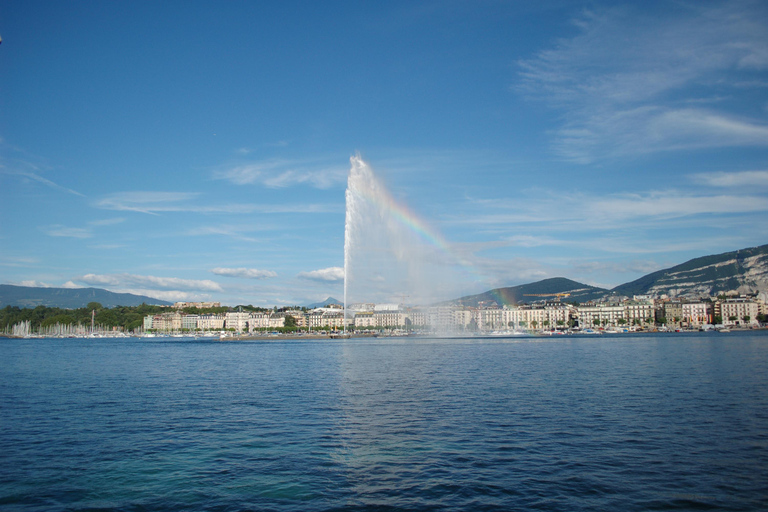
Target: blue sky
200, 151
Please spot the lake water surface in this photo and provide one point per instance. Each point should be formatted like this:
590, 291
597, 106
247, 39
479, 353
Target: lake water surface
629, 422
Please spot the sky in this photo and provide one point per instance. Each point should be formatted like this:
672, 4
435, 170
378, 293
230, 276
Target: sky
196, 150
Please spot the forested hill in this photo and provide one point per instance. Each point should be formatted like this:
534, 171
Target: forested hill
540, 290
70, 298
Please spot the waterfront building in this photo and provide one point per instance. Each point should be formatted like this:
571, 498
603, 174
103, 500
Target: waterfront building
600, 315
639, 310
237, 320
364, 320
164, 322
189, 322
333, 319
388, 315
739, 311
299, 316
673, 312
210, 322
696, 314
277, 320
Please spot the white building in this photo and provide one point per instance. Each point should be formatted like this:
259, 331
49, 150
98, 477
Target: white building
210, 322
735, 311
239, 321
696, 313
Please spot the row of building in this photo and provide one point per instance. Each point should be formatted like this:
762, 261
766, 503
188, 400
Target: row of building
639, 312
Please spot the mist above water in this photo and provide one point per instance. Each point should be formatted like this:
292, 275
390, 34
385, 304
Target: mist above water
390, 255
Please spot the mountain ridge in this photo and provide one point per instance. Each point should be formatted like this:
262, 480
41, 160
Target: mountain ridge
70, 298
739, 271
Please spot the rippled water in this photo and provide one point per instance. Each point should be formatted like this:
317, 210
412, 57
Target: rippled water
624, 423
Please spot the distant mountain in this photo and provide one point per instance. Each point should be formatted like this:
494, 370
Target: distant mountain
69, 298
541, 290
329, 300
743, 271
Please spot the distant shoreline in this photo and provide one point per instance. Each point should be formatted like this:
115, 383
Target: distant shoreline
310, 337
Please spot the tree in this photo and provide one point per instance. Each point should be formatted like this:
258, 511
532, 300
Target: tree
717, 319
290, 321
596, 322
621, 321
746, 318
534, 323
733, 318
93, 305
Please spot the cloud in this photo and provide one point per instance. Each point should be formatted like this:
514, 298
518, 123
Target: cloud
71, 284
36, 177
19, 262
732, 179
107, 246
151, 282
150, 202
169, 295
63, 231
625, 83
247, 273
107, 222
35, 284
278, 173
331, 274
155, 203
589, 212
674, 205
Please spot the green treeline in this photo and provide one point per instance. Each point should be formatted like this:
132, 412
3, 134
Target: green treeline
128, 318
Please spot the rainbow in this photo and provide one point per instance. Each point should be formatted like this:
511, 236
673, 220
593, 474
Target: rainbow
378, 196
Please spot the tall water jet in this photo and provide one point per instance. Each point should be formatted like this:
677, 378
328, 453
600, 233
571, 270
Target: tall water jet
390, 254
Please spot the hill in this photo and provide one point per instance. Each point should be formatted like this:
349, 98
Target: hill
743, 271
531, 292
70, 298
329, 300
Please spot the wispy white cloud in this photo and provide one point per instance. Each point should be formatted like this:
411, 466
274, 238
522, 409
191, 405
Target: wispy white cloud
588, 211
625, 84
279, 173
107, 246
247, 273
63, 231
732, 179
331, 274
107, 222
150, 202
19, 261
665, 204
34, 176
125, 280
155, 203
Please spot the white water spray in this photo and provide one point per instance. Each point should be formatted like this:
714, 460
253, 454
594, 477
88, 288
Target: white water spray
389, 255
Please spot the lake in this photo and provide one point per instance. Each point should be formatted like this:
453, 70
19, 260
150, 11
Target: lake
627, 422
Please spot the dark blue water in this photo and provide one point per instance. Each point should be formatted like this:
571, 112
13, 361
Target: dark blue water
675, 422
